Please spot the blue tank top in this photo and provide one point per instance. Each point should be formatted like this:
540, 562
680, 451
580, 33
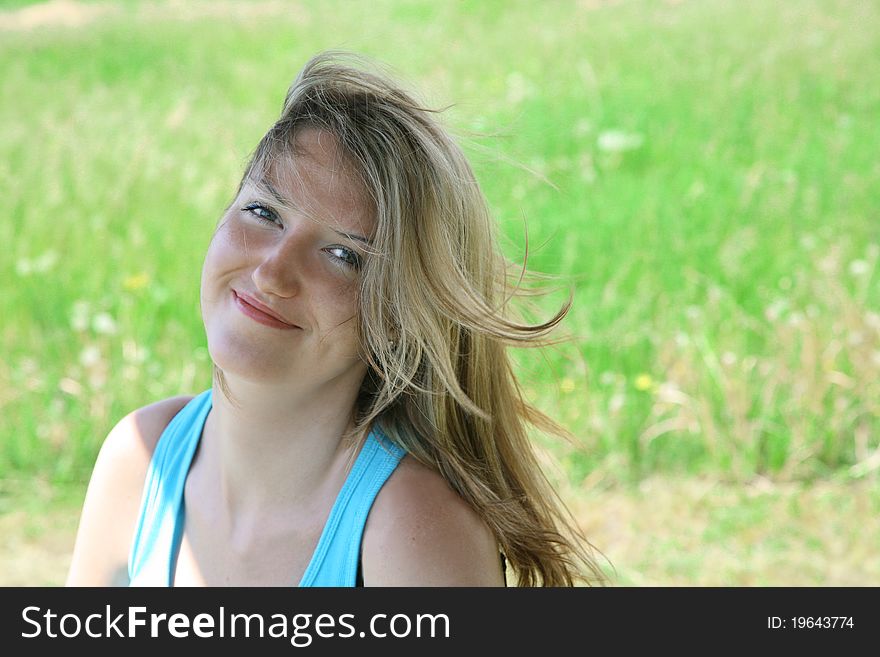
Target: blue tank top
159, 530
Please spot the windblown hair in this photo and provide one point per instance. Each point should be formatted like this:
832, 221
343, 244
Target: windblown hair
434, 312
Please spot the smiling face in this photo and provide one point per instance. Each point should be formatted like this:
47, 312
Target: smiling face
280, 278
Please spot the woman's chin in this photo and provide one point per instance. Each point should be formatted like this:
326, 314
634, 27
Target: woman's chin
254, 367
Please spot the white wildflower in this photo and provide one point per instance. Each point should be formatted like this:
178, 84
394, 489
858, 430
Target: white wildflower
617, 141
582, 127
808, 242
23, 267
775, 310
103, 324
859, 267
518, 88
45, 262
90, 356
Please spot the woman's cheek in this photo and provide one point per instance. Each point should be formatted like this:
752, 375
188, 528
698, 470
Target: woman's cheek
217, 259
225, 248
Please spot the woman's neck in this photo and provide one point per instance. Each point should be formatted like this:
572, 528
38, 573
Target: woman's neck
272, 450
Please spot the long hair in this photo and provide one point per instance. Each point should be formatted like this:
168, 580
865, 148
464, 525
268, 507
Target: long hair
435, 317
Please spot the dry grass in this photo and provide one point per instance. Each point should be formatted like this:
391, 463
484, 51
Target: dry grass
666, 532
703, 533
37, 530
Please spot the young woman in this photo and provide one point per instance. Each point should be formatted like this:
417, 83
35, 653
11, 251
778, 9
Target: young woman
364, 426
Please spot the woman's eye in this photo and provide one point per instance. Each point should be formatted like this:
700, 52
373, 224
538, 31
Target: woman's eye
347, 257
262, 213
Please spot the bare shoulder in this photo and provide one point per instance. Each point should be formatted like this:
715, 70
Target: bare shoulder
420, 532
129, 446
112, 503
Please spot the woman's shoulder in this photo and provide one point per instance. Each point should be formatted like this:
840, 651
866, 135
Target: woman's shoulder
420, 532
135, 435
128, 449
112, 502
132, 441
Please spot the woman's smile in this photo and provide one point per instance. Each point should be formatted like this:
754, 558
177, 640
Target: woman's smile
250, 307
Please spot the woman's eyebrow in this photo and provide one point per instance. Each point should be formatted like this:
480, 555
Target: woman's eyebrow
351, 236
278, 197
289, 204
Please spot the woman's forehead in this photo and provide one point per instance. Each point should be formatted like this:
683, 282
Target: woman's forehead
318, 179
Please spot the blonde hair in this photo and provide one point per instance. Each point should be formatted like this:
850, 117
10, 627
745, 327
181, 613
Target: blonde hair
434, 318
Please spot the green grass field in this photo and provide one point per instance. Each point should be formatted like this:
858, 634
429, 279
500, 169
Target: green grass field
704, 173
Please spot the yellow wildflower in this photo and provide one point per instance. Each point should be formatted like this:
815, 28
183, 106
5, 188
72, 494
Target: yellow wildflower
644, 382
136, 282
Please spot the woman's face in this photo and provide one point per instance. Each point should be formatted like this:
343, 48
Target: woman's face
279, 283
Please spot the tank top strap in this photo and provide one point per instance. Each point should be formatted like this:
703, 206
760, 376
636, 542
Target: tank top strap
158, 530
337, 555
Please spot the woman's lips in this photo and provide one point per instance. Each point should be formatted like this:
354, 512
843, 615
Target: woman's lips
247, 306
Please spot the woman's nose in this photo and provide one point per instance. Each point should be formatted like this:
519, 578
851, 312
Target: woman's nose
279, 271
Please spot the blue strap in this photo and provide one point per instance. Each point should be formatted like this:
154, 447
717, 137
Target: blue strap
160, 525
336, 558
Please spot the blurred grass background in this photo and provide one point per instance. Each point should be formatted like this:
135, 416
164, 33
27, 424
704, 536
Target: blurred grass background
704, 172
